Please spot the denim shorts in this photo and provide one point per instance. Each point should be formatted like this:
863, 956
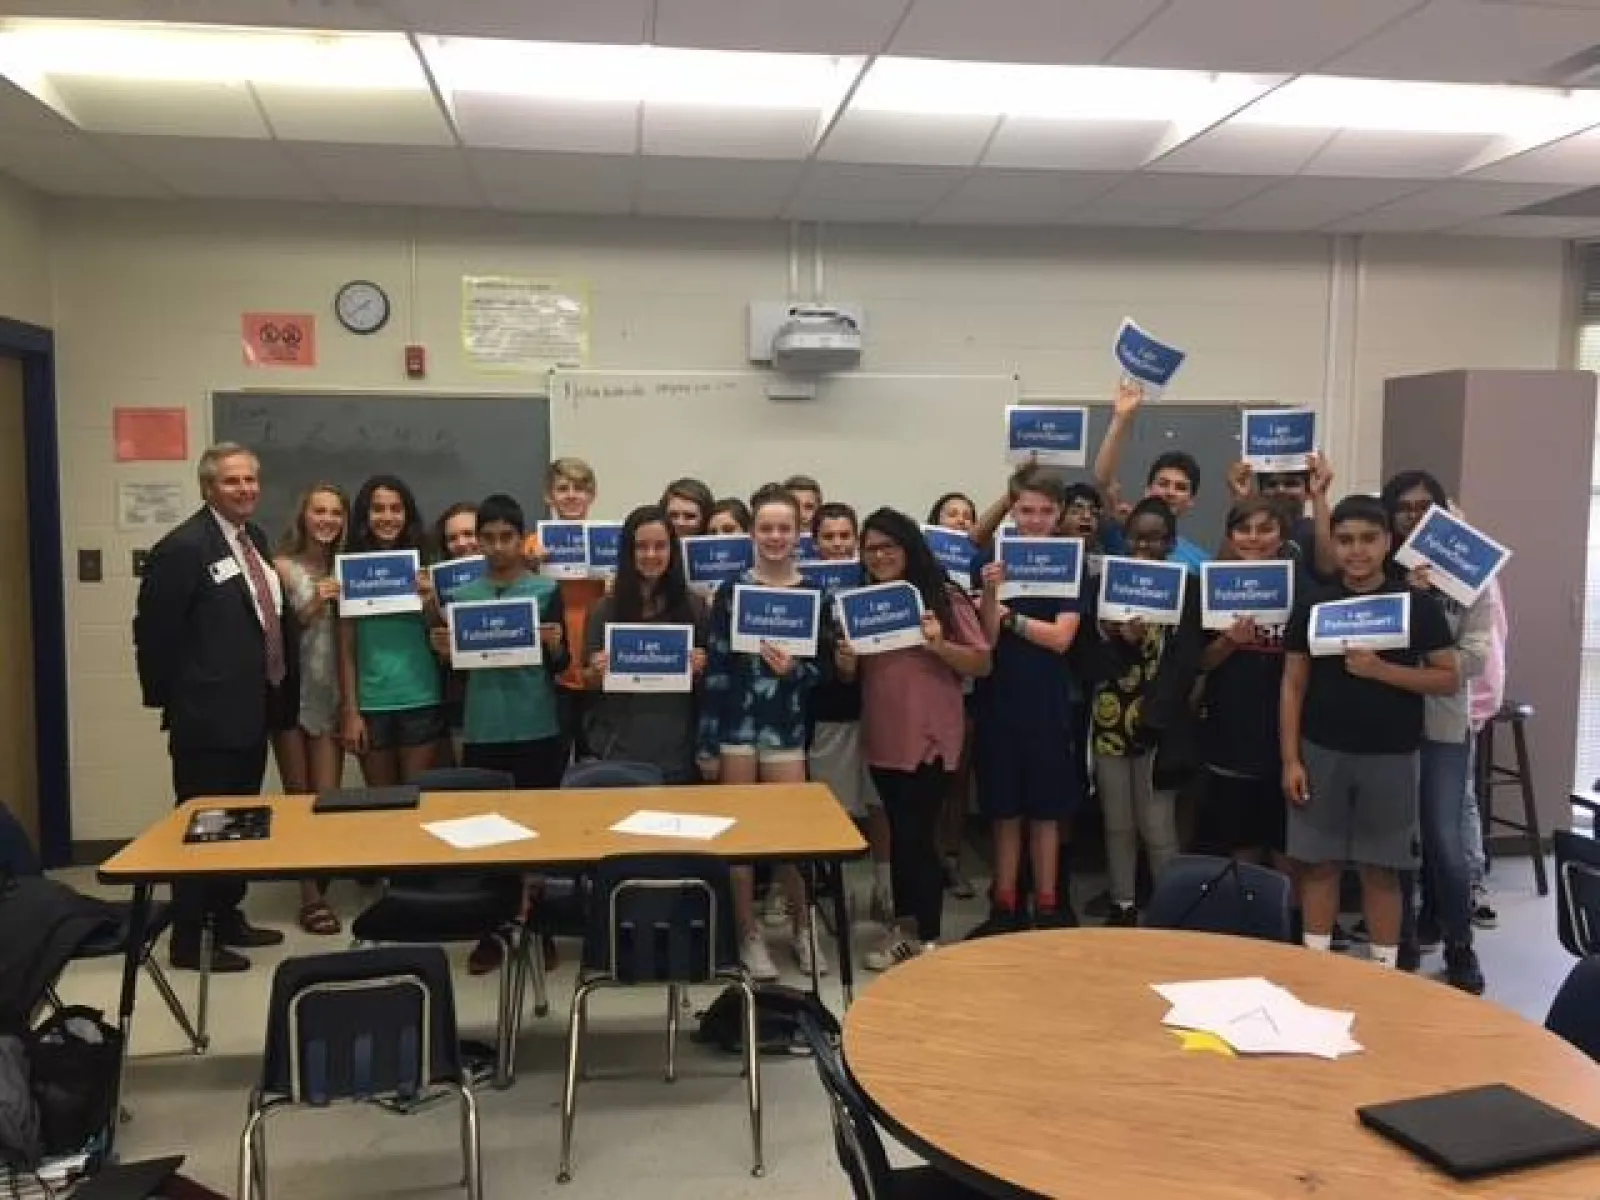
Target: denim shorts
404, 727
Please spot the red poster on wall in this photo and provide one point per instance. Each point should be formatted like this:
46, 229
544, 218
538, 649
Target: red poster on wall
279, 339
151, 434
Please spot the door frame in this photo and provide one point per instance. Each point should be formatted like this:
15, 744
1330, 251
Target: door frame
34, 347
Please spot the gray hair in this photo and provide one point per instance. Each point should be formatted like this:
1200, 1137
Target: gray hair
211, 460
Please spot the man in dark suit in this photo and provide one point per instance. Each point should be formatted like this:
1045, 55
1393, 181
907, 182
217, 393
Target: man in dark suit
215, 648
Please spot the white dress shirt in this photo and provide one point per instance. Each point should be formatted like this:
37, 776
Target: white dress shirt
231, 534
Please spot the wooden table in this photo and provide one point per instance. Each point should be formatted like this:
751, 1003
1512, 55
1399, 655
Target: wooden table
1036, 1064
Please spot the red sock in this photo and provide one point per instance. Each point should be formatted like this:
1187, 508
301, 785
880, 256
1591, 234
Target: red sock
1045, 902
1005, 901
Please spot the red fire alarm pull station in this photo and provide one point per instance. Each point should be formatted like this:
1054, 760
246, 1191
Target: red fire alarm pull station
416, 362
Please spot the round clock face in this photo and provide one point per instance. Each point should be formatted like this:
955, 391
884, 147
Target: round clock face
362, 307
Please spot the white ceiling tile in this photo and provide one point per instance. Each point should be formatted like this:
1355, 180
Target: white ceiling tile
20, 113
715, 187
1254, 35
800, 26
1573, 160
73, 164
1032, 31
182, 109
1123, 218
845, 192
695, 131
1308, 203
347, 115
556, 183
1230, 149
1539, 227
910, 139
1033, 143
1445, 205
1388, 155
1471, 41
613, 22
218, 168
419, 175
1018, 197
1195, 194
534, 123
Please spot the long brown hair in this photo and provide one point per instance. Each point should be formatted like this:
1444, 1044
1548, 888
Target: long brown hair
296, 543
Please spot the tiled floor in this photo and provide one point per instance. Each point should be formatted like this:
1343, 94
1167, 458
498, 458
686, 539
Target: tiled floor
688, 1139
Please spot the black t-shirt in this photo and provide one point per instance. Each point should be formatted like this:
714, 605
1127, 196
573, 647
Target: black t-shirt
1029, 687
1363, 716
1239, 730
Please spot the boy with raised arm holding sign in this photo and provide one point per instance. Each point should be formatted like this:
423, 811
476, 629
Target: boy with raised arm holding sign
1351, 725
1173, 477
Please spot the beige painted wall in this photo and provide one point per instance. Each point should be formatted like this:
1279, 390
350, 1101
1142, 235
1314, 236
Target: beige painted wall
147, 303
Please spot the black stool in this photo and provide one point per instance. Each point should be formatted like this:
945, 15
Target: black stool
1491, 775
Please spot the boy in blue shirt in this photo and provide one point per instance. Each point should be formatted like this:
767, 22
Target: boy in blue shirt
1174, 477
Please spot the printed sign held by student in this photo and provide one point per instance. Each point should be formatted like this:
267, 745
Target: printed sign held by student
1049, 435
777, 616
371, 585
1461, 559
450, 577
565, 549
602, 542
494, 633
1143, 358
885, 616
831, 574
1377, 622
1138, 589
712, 558
805, 549
1262, 591
1278, 439
952, 550
1040, 566
649, 658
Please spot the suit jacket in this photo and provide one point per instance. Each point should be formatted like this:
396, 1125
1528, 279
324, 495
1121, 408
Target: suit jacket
200, 648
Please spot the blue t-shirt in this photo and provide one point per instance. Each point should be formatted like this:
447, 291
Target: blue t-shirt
1029, 687
1190, 554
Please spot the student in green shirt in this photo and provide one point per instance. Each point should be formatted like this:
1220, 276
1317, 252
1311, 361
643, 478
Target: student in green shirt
510, 723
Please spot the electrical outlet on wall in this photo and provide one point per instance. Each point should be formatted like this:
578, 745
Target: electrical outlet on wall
90, 568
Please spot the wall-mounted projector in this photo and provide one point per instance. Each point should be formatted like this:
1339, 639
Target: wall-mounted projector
806, 338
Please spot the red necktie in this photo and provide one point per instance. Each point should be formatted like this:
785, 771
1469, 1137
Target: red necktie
270, 625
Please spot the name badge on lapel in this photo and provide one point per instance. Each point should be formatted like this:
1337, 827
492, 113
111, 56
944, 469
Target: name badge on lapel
224, 569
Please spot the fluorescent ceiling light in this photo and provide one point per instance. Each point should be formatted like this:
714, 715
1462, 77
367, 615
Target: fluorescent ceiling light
940, 88
1493, 110
34, 52
634, 74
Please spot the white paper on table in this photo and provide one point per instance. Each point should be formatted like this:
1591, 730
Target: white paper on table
474, 833
1256, 1016
649, 823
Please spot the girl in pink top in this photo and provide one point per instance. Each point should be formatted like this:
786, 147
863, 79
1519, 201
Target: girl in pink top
912, 714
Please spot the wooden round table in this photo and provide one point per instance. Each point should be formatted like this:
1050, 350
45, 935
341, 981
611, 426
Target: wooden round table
1037, 1064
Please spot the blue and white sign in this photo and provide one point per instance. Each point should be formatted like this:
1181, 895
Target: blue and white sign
1136, 589
649, 658
450, 577
1461, 559
1143, 358
832, 574
1046, 434
1262, 591
1381, 621
1278, 439
494, 633
952, 550
602, 541
1040, 566
886, 616
371, 585
712, 559
775, 616
805, 549
564, 548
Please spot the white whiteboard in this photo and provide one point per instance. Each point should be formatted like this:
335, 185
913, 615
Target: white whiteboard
870, 440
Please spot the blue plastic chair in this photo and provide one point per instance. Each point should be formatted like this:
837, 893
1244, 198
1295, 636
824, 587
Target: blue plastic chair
1219, 895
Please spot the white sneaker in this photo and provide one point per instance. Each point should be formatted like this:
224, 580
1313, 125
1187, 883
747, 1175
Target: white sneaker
802, 953
757, 961
894, 947
775, 912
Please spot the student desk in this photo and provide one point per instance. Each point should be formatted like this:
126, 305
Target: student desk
1037, 1064
800, 822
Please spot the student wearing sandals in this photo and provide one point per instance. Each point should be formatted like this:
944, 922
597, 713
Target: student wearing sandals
309, 756
955, 510
455, 534
687, 503
388, 677
650, 588
912, 716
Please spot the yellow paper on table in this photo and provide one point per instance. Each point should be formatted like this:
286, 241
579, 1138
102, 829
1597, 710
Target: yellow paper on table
1200, 1040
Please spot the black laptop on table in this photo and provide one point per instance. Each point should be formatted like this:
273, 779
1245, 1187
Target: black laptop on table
403, 795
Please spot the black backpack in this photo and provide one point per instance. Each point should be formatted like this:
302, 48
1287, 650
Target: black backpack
778, 1009
75, 1058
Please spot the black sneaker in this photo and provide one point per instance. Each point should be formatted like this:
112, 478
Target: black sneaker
1461, 969
1339, 938
1122, 916
999, 922
1056, 918
1409, 957
185, 956
1483, 913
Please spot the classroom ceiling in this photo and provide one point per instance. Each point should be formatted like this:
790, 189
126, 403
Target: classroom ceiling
1205, 114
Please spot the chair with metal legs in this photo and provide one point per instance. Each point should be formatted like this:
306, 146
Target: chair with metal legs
660, 920
363, 1026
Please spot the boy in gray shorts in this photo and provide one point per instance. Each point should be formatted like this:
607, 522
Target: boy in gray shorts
1351, 728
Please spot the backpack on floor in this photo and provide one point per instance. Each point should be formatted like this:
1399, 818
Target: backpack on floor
778, 1009
75, 1060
